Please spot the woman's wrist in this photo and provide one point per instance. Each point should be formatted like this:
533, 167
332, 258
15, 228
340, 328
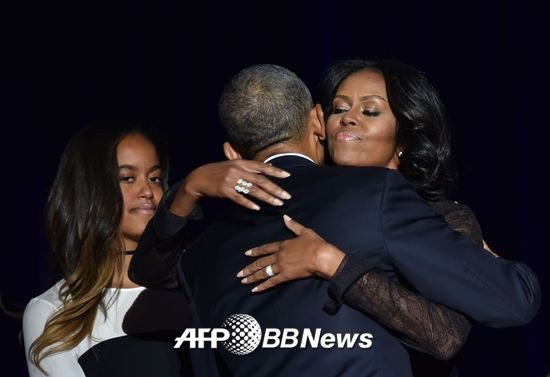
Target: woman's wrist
186, 198
327, 260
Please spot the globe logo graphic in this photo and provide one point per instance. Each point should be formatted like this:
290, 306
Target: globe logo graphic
245, 334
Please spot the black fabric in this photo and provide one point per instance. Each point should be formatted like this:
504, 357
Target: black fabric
460, 217
374, 209
425, 327
143, 356
422, 325
349, 271
152, 323
166, 225
164, 237
446, 267
231, 229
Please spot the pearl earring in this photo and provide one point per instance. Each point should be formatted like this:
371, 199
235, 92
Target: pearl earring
400, 153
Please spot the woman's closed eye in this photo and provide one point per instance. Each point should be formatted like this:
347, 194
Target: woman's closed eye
370, 113
366, 112
339, 110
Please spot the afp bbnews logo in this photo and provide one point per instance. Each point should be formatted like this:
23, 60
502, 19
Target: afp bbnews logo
240, 334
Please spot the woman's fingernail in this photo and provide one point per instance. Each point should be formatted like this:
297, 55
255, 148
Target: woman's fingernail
278, 202
254, 289
285, 195
248, 252
287, 218
244, 280
285, 174
240, 274
255, 207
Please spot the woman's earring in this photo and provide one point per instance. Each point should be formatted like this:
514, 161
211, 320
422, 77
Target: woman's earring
400, 153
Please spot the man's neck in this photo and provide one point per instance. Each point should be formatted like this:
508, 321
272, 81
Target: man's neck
280, 149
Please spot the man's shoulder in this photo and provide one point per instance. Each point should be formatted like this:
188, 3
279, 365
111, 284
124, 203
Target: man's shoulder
362, 173
346, 187
348, 171
344, 176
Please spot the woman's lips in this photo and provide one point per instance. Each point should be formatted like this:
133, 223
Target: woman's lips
146, 210
346, 136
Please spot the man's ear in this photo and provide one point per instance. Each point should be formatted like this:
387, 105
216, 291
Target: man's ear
230, 152
318, 121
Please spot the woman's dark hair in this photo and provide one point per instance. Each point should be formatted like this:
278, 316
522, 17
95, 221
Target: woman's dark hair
83, 215
423, 130
85, 201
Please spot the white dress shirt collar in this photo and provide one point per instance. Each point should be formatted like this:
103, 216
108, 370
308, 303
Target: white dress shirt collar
287, 154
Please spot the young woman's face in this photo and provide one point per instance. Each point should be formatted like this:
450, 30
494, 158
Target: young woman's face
361, 128
140, 181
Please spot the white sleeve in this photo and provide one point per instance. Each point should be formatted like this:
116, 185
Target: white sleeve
61, 364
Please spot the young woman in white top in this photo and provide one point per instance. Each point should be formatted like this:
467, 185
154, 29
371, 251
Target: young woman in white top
95, 321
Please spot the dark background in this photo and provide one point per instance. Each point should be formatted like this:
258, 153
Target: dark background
64, 64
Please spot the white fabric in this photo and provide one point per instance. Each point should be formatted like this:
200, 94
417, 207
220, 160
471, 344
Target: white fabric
65, 364
287, 154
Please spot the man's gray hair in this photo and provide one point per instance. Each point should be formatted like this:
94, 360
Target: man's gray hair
264, 105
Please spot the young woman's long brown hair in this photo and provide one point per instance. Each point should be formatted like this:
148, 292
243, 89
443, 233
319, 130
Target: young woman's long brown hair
83, 214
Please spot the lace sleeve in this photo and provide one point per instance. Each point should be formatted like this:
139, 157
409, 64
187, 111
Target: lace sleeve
461, 218
420, 324
417, 322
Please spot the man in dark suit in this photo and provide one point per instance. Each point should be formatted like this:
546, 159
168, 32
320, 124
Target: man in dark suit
371, 213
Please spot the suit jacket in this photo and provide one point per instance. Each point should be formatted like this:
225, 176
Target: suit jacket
373, 214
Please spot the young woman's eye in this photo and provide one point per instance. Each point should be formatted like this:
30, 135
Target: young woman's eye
127, 179
371, 113
156, 179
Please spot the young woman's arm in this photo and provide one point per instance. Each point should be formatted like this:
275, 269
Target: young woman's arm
61, 364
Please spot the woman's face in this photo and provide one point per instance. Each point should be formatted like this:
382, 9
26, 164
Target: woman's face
361, 128
140, 181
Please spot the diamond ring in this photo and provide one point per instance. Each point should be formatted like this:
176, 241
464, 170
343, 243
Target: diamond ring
269, 271
243, 186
